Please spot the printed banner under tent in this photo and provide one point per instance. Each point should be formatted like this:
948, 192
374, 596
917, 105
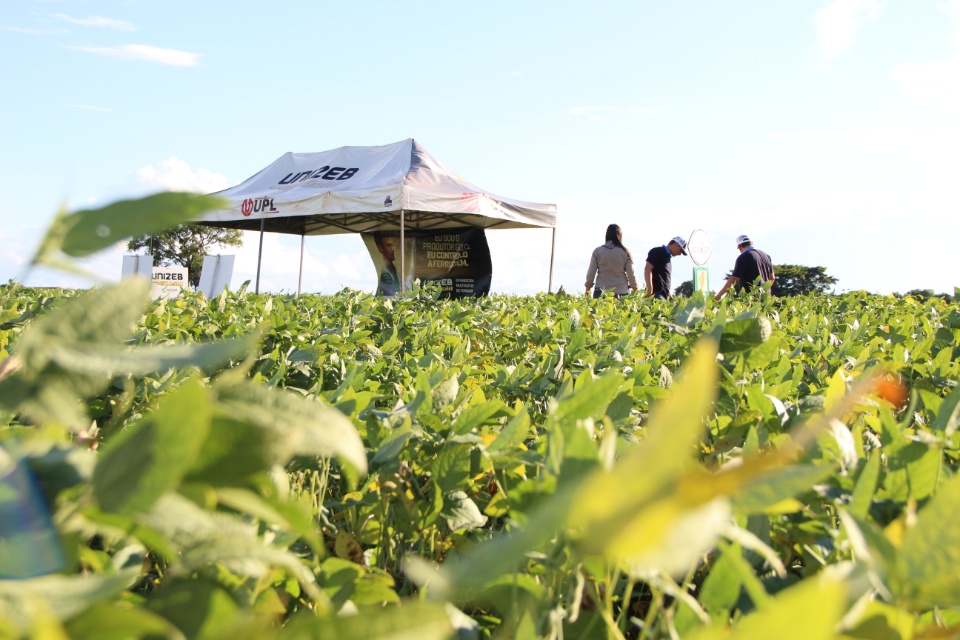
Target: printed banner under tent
457, 258
398, 188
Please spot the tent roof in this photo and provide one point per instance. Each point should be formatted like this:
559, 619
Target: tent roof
362, 189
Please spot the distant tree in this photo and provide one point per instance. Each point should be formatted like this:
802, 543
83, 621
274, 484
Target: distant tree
185, 245
797, 280
927, 294
685, 290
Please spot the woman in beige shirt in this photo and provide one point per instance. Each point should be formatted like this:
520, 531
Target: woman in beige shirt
611, 266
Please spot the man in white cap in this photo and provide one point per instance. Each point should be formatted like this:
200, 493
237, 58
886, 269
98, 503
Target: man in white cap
657, 272
751, 264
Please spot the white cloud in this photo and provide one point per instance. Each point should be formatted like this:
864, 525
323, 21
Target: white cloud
148, 53
97, 21
174, 174
90, 107
838, 23
597, 113
31, 32
936, 82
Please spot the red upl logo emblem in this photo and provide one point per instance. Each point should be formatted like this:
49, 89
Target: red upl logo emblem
247, 207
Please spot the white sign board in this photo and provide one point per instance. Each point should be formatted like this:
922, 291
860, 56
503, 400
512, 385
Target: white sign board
137, 266
699, 247
216, 273
169, 282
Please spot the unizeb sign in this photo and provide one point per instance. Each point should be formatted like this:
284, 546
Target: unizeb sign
323, 173
169, 282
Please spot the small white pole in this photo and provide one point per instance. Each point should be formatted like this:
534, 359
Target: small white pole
553, 244
260, 254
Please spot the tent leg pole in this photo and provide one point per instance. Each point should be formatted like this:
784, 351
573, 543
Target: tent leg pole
260, 254
403, 266
553, 245
300, 279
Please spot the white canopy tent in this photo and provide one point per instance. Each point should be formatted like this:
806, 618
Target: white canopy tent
392, 187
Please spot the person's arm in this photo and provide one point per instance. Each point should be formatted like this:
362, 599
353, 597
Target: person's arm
648, 278
591, 272
631, 276
731, 281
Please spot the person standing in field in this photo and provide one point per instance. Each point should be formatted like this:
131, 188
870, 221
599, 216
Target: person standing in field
611, 266
657, 272
750, 265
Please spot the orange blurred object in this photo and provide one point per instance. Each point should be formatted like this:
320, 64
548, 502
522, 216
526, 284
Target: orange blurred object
893, 389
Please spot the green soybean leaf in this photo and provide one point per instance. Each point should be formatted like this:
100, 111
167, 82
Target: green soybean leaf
477, 415
445, 393
199, 608
119, 622
151, 457
95, 360
580, 453
928, 565
913, 471
85, 232
693, 312
807, 611
293, 425
61, 596
865, 488
461, 512
50, 383
411, 620
375, 588
202, 539
610, 507
721, 589
101, 317
767, 490
744, 333
452, 466
277, 512
392, 446
948, 414
512, 436
589, 399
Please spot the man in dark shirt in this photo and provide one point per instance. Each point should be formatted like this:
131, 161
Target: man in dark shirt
751, 264
657, 272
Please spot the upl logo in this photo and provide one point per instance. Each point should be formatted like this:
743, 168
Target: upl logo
257, 205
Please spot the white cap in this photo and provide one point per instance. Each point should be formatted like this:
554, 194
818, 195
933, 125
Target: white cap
683, 244
742, 239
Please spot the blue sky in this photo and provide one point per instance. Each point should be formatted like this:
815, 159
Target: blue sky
827, 130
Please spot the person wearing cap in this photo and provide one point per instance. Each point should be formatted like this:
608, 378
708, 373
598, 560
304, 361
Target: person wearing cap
611, 266
658, 271
751, 264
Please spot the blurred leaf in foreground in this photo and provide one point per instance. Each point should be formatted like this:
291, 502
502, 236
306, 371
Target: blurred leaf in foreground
808, 611
928, 562
85, 232
151, 456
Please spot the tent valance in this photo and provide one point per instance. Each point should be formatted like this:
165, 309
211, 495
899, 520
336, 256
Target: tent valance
363, 189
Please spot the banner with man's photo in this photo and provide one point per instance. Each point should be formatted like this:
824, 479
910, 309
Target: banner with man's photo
458, 259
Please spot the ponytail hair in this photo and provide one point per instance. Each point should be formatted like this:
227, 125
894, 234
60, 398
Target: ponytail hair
613, 235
